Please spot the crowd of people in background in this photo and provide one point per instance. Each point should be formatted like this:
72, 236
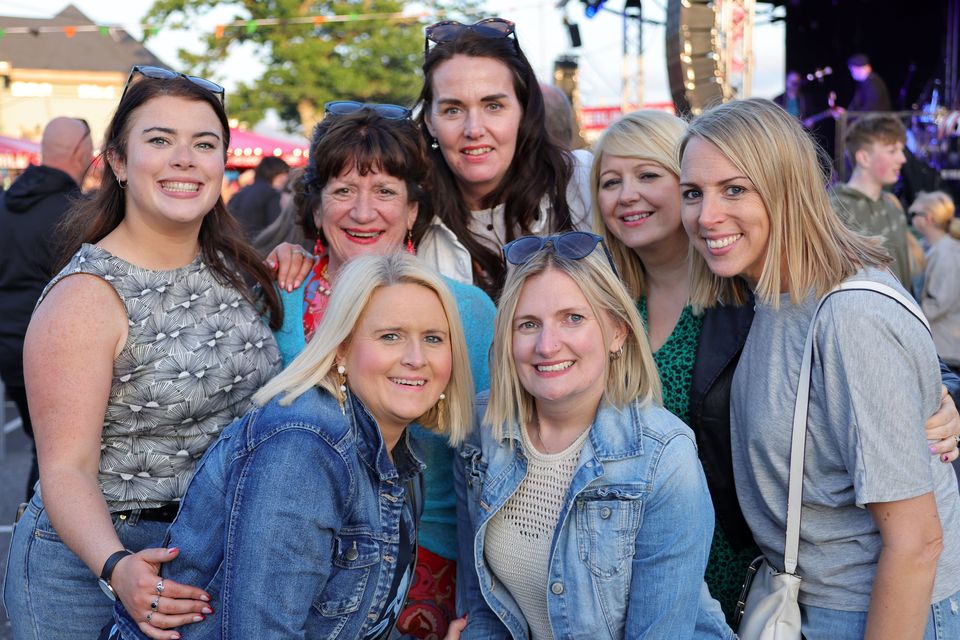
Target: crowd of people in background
453, 379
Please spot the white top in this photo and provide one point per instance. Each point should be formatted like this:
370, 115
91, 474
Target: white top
519, 536
441, 248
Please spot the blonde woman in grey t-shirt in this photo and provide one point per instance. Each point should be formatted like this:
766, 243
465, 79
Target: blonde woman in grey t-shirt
880, 521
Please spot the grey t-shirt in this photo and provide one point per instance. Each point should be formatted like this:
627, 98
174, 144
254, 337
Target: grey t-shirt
875, 382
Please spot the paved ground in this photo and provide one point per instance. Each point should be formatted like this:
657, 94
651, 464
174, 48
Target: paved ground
14, 467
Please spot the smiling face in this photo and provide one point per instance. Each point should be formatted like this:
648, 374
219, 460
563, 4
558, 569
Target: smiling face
363, 214
882, 161
174, 164
559, 349
475, 117
639, 201
723, 213
398, 359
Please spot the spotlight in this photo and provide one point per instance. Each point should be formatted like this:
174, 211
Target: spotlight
593, 7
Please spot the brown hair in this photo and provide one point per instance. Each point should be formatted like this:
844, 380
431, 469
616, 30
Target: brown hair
222, 242
368, 141
539, 167
876, 127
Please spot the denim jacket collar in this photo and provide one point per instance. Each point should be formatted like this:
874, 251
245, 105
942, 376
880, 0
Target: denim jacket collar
373, 450
608, 436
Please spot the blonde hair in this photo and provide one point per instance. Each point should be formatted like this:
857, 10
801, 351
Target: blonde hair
940, 209
807, 238
355, 285
631, 376
646, 135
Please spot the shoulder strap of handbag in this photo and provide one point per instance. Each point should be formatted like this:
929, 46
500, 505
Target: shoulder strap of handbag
795, 490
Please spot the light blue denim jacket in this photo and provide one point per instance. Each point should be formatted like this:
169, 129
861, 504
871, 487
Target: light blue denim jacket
629, 553
291, 524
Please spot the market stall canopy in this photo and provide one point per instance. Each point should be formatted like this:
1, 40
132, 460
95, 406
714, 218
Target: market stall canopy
248, 148
18, 154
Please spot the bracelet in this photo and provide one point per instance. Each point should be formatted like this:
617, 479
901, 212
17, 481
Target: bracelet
111, 562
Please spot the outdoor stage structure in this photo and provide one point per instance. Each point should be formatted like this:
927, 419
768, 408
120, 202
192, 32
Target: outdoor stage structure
710, 59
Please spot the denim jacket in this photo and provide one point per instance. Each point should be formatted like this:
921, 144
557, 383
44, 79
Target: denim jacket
291, 524
631, 545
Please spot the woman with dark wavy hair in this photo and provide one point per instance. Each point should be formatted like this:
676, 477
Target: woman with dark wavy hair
495, 173
144, 346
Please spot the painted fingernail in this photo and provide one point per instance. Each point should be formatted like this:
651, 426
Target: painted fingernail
172, 550
933, 449
207, 610
205, 598
296, 283
175, 636
944, 457
198, 618
271, 264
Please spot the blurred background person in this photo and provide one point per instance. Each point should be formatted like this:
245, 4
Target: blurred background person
871, 93
792, 99
30, 211
933, 215
258, 204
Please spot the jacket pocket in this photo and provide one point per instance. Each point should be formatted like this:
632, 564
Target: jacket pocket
353, 558
608, 519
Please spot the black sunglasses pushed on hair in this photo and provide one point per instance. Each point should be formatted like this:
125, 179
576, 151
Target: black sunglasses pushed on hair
572, 245
448, 30
386, 111
159, 73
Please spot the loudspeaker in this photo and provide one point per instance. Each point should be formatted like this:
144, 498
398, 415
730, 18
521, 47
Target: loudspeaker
693, 56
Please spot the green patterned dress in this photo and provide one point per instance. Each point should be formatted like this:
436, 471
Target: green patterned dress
726, 566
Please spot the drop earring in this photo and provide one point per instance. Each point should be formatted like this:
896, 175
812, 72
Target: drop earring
410, 248
342, 388
434, 145
441, 420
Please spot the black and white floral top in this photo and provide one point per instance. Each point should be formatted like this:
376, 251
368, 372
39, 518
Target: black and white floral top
196, 351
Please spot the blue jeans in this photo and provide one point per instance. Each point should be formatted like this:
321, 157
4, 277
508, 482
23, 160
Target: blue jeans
48, 592
943, 623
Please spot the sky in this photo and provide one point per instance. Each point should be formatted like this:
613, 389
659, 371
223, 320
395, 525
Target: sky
539, 28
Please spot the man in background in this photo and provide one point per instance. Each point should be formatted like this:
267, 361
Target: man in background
871, 93
875, 146
792, 99
29, 214
258, 204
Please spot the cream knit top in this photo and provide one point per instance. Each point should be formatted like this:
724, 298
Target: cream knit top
517, 544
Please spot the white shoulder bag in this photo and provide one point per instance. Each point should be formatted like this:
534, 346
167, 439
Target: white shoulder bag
768, 607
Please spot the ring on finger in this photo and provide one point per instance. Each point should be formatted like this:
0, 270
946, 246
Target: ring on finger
159, 587
958, 440
155, 603
149, 616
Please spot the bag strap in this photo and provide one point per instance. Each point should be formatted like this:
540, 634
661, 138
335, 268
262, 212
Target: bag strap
798, 443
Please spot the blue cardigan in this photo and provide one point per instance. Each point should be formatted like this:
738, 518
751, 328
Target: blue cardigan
438, 526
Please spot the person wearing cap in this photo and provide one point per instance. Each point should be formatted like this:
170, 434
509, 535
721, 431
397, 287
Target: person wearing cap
871, 93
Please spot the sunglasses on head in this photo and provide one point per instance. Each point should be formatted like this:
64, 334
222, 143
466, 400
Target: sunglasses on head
386, 111
159, 73
448, 30
572, 245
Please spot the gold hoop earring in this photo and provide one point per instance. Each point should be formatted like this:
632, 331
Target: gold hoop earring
342, 388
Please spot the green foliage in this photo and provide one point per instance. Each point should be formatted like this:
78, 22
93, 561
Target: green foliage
310, 64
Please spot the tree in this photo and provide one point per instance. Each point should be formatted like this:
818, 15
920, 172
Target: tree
311, 62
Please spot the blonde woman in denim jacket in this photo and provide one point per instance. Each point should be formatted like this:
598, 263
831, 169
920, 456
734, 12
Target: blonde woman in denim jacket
301, 521
583, 510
